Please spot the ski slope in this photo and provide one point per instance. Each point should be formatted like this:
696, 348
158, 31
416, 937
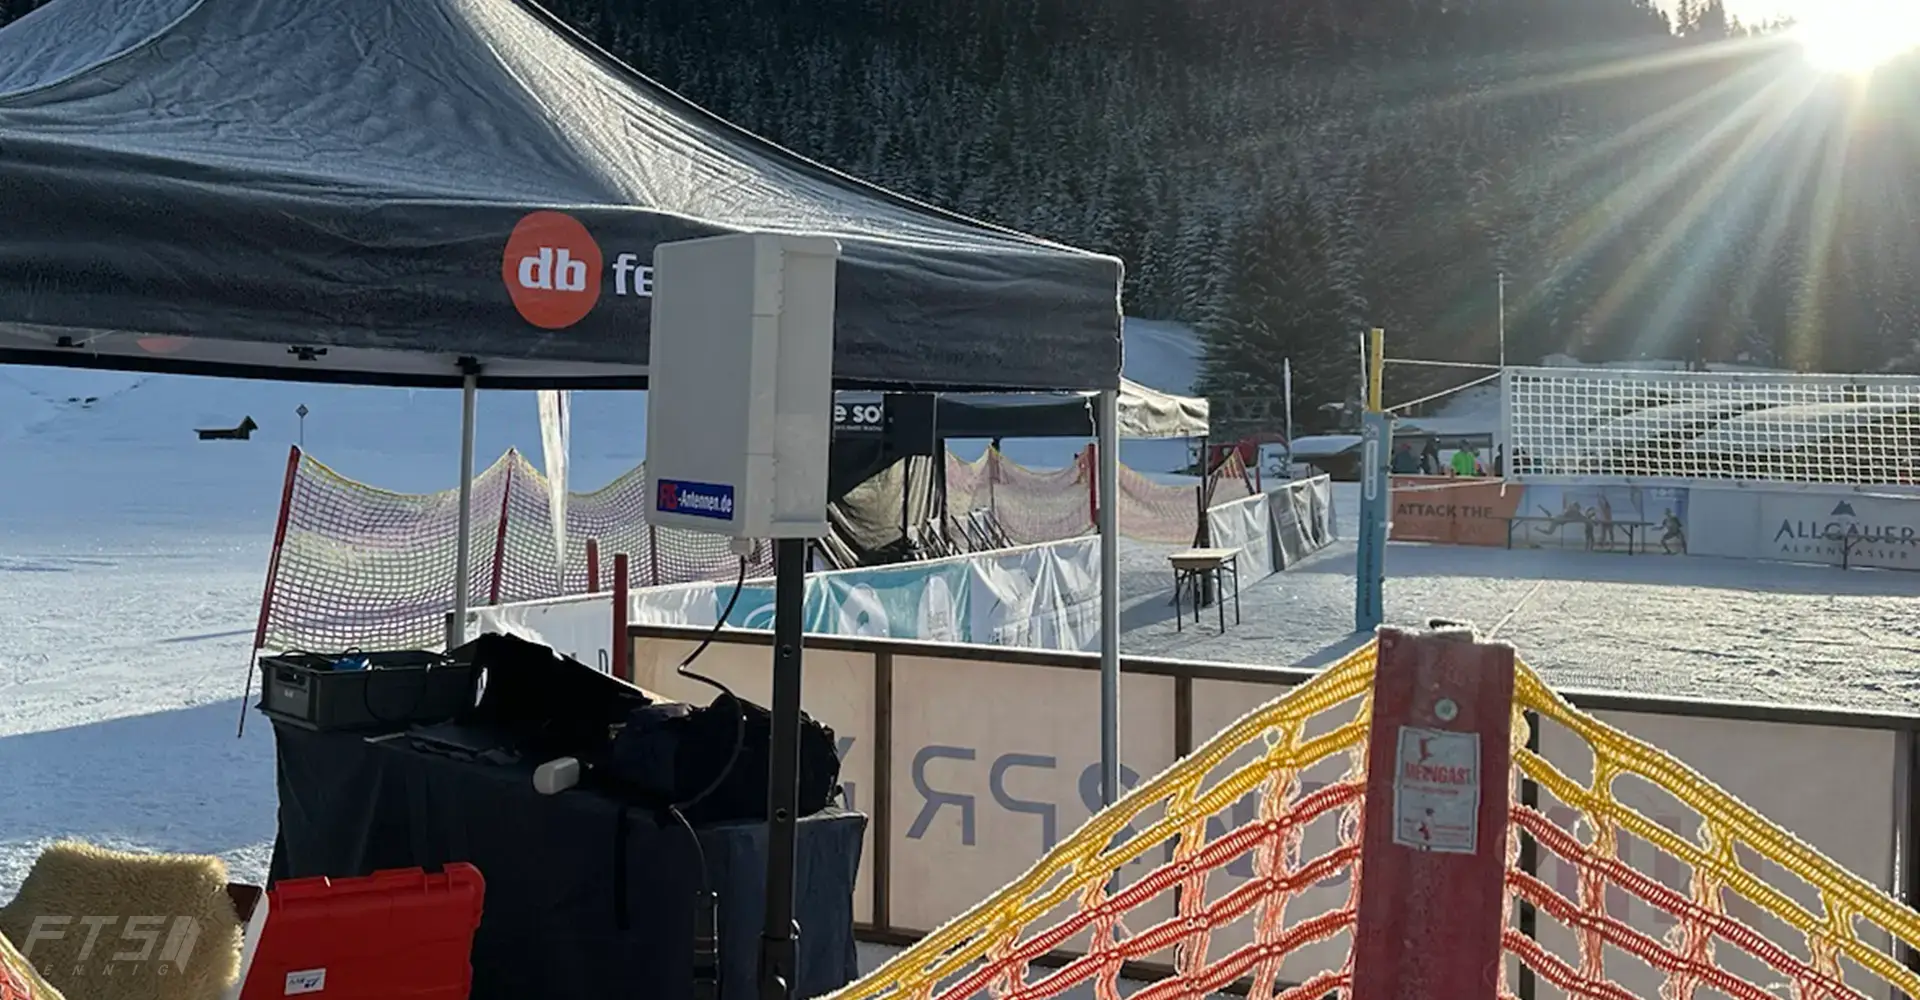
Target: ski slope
132, 556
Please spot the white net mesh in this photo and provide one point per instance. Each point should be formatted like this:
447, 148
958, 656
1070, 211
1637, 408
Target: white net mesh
1822, 431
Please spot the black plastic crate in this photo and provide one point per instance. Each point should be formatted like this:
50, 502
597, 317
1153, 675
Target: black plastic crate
395, 690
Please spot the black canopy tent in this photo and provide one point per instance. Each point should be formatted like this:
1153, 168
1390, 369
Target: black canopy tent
1144, 412
327, 190
459, 192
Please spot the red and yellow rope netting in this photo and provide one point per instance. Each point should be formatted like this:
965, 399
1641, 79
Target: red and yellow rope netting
990, 950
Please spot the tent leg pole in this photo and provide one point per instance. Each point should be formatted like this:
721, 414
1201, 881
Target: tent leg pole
777, 949
1109, 457
463, 548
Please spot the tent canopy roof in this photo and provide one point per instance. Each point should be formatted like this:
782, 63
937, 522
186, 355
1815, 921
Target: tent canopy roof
1144, 413
346, 190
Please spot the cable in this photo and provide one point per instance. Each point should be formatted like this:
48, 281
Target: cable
706, 916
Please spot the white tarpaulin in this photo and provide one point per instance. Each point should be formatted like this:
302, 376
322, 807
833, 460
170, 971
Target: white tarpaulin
1040, 596
556, 436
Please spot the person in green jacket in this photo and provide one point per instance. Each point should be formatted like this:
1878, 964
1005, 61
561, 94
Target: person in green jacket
1465, 462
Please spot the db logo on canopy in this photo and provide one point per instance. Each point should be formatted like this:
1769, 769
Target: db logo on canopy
552, 270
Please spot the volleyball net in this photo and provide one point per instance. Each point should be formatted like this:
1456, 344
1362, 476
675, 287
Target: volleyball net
1704, 428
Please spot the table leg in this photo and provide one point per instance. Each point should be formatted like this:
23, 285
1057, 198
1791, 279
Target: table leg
1236, 590
1179, 613
1220, 580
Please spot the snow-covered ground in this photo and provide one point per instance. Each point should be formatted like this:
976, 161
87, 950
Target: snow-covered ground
132, 556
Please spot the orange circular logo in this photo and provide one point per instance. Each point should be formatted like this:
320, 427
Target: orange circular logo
552, 270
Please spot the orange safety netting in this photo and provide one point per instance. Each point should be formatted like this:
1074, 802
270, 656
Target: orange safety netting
364, 567
1274, 927
1813, 930
1219, 925
361, 567
1033, 506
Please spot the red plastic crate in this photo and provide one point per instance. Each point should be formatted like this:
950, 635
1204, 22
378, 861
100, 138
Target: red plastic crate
393, 935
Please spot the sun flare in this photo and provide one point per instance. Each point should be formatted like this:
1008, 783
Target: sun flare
1857, 36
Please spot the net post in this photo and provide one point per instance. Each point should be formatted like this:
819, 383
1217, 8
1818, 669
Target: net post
1376, 496
622, 661
1503, 435
653, 554
1434, 845
593, 566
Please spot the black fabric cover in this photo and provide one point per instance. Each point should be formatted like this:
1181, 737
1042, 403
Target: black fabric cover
549, 928
325, 189
545, 704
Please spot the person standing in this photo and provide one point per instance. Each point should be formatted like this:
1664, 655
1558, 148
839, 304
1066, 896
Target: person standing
1672, 532
1465, 462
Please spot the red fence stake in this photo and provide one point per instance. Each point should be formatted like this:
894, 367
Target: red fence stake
279, 542
622, 665
593, 566
1092, 459
1434, 842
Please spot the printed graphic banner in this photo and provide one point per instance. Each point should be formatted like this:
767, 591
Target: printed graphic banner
1452, 511
1041, 596
1857, 530
920, 601
1602, 518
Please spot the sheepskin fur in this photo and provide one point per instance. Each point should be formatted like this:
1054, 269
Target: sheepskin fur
18, 975
78, 880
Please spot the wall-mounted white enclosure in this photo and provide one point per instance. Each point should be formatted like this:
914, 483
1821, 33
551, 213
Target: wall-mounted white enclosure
740, 385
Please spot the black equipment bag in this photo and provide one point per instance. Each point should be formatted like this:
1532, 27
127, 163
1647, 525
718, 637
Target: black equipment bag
669, 755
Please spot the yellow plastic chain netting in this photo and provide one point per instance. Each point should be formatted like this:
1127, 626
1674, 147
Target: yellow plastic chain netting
991, 949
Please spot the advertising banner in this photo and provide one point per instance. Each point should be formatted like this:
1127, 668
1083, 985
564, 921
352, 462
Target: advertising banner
919, 601
1857, 529
1041, 597
1603, 518
1452, 511
993, 764
1038, 596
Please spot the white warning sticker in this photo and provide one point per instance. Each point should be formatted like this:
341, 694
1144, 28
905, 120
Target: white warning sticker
1436, 791
306, 981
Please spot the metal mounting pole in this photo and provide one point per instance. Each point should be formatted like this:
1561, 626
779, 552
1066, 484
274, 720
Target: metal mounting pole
463, 546
1109, 461
1376, 497
778, 934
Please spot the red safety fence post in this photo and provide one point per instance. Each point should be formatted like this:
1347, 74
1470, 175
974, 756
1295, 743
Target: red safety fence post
279, 542
1091, 464
593, 566
622, 665
1433, 850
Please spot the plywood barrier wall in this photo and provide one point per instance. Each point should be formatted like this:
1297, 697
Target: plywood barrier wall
972, 761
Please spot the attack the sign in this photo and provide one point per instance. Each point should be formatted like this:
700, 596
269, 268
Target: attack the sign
1436, 791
